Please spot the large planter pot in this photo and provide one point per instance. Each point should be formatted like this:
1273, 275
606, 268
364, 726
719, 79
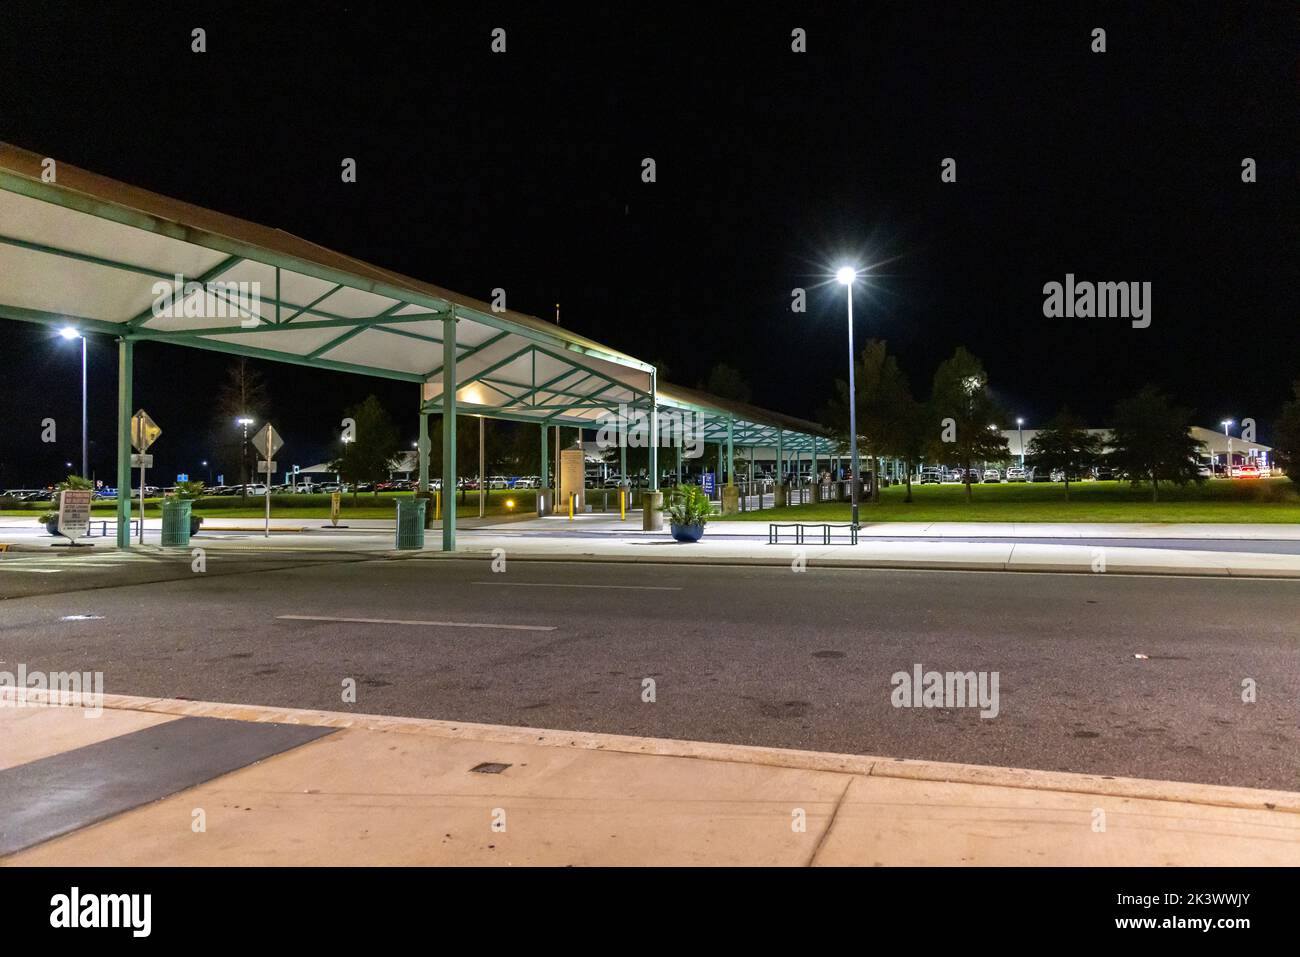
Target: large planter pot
687, 533
195, 522
52, 526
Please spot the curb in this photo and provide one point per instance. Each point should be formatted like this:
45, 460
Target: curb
1211, 795
882, 564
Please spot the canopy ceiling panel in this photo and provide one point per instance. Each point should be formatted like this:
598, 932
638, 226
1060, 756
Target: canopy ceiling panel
70, 289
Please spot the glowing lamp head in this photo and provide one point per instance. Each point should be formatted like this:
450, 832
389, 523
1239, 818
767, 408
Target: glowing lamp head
845, 275
510, 503
68, 332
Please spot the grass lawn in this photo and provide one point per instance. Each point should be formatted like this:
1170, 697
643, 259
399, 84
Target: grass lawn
1217, 500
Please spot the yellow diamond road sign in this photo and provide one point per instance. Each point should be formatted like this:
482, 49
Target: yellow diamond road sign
144, 431
267, 442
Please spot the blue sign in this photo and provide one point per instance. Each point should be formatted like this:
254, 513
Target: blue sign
183, 477
221, 480
708, 483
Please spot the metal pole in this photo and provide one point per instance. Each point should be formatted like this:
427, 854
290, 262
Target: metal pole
482, 476
140, 432
85, 445
654, 433
545, 482
124, 443
449, 430
267, 533
853, 416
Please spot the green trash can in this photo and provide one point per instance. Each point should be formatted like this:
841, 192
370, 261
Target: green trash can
410, 522
176, 522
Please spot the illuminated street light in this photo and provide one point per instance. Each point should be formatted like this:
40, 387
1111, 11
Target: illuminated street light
71, 332
1227, 465
846, 276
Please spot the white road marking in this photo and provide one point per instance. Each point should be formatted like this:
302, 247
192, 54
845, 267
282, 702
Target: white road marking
569, 585
399, 621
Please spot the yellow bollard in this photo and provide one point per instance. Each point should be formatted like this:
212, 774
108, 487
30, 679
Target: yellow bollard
571, 496
622, 506
437, 505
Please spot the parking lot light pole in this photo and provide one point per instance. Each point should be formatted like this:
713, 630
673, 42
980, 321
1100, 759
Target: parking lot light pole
1227, 463
846, 275
68, 332
1020, 429
244, 421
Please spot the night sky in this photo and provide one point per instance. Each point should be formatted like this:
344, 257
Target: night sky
523, 171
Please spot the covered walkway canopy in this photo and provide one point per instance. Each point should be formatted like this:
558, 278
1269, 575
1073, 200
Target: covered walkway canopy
80, 249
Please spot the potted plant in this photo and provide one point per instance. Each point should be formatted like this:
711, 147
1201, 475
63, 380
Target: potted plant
189, 492
51, 519
688, 510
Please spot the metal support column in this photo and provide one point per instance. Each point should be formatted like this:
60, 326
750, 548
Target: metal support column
424, 447
731, 452
482, 477
544, 490
124, 443
449, 432
654, 432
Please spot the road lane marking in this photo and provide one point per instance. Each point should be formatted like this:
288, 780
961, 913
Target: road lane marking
570, 585
400, 621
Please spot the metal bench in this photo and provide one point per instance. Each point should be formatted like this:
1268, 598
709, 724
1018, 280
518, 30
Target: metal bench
828, 530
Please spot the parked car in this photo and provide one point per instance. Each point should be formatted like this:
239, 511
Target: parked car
1015, 474
1040, 473
931, 476
1245, 472
992, 475
1104, 473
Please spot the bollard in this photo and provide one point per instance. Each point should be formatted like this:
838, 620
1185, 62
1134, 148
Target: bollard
571, 498
437, 505
622, 506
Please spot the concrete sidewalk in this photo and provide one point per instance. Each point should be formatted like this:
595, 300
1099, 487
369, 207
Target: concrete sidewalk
399, 791
1251, 551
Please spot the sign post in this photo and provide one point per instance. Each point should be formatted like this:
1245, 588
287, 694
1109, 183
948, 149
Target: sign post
144, 433
267, 442
74, 513
336, 500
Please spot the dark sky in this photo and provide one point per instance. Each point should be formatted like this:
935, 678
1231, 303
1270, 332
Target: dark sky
522, 171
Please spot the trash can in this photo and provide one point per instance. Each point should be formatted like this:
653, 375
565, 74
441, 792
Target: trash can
176, 522
410, 522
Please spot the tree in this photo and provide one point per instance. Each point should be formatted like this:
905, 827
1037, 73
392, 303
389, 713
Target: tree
1287, 436
961, 413
726, 382
373, 451
243, 393
890, 422
1066, 445
1152, 441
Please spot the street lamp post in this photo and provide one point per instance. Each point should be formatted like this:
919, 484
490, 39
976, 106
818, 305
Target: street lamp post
244, 421
1227, 465
1020, 429
846, 275
68, 332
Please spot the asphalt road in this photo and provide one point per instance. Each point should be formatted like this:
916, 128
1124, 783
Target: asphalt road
745, 655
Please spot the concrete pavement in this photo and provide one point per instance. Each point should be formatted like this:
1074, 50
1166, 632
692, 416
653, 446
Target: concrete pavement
400, 791
1104, 674
1225, 550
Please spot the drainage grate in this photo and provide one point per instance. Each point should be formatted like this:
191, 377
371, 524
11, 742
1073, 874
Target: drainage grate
489, 767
